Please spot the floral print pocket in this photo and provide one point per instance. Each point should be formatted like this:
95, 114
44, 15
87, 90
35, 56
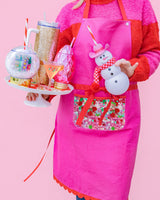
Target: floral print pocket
102, 113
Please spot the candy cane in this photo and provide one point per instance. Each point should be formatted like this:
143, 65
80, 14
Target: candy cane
26, 29
94, 40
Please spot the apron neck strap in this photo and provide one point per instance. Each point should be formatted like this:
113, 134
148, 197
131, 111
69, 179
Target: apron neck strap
123, 12
87, 7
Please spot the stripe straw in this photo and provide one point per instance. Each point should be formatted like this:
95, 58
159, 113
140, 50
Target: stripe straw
93, 38
72, 42
26, 29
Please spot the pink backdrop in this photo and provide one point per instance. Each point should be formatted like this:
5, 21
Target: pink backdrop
24, 131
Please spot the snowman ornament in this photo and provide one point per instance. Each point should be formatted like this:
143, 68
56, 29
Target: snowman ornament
116, 82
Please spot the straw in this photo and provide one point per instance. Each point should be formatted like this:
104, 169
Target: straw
44, 15
93, 38
25, 35
72, 42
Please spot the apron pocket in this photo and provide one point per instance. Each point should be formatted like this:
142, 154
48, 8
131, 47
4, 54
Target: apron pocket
99, 113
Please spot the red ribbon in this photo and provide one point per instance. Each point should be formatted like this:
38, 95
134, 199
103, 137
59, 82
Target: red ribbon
41, 158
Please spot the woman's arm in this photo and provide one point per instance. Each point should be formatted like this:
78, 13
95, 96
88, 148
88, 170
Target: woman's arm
149, 55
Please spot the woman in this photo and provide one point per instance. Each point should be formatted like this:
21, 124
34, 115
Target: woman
96, 161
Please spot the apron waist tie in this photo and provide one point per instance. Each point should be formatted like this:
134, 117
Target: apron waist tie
88, 87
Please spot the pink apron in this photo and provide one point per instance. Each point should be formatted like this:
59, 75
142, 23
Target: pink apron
96, 160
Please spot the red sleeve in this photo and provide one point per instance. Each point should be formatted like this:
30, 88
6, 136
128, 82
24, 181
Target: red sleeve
149, 55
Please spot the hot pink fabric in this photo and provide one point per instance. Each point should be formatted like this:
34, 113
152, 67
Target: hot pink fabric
93, 162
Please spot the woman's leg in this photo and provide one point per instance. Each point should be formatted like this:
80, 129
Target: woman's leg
77, 198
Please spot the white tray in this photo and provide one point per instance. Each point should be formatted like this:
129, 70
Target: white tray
40, 101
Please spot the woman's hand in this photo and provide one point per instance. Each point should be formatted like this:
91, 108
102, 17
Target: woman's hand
126, 67
32, 96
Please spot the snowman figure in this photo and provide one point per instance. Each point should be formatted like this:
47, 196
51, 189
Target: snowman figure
116, 82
